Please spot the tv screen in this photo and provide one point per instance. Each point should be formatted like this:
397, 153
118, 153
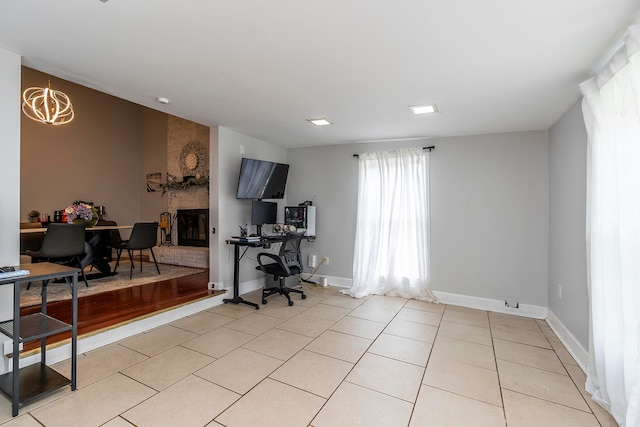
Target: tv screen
263, 212
260, 179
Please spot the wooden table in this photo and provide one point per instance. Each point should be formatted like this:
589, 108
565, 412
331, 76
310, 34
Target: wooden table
96, 228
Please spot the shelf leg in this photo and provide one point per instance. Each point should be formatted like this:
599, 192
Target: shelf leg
74, 330
16, 349
43, 340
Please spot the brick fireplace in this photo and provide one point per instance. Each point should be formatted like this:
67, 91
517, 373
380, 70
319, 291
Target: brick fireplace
190, 235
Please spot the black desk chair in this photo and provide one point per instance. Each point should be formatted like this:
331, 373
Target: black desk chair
62, 244
143, 236
287, 263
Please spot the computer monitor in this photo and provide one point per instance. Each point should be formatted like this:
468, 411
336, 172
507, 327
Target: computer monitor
263, 213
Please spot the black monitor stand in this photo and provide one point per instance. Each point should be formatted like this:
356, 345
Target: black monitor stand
259, 230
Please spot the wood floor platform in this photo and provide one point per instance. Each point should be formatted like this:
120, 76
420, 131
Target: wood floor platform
107, 309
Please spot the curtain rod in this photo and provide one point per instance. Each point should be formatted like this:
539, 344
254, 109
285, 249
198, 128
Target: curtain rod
432, 147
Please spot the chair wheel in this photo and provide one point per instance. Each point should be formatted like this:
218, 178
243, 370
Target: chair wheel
290, 303
304, 296
264, 301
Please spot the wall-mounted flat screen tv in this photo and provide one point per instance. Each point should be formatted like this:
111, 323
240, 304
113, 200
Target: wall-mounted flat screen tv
260, 179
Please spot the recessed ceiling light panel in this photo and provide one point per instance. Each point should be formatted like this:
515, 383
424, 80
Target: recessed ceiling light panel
320, 121
424, 109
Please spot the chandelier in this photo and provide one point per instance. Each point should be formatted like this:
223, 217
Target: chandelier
46, 105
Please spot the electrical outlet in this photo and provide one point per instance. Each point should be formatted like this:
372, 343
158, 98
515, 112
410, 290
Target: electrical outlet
559, 291
326, 260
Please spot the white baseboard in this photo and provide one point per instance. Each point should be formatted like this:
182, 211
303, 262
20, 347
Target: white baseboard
498, 306
573, 346
340, 282
534, 311
246, 287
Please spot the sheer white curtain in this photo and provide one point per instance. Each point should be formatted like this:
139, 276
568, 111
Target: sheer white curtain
391, 255
611, 109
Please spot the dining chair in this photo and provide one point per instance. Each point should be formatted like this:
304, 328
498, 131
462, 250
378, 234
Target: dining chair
287, 263
30, 241
143, 236
109, 238
62, 244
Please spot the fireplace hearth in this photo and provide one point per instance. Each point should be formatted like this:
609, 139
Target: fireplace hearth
193, 226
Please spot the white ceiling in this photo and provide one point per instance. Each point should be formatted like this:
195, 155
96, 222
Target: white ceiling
262, 67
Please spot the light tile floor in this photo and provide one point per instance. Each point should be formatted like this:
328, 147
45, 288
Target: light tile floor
329, 360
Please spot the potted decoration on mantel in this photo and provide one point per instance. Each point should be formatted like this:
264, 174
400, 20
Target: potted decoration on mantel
34, 216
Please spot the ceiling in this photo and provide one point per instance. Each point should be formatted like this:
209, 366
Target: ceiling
262, 67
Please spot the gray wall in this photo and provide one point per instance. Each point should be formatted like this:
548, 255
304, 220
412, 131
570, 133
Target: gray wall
232, 212
10, 159
490, 216
329, 177
567, 216
489, 213
9, 171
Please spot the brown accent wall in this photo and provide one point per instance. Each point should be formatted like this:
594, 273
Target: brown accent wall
154, 159
102, 156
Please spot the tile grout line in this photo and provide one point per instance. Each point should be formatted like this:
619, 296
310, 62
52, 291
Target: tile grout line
495, 360
354, 365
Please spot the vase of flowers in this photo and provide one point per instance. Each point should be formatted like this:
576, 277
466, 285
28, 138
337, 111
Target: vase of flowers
82, 213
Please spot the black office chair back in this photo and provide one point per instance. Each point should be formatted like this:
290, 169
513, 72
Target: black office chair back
287, 263
143, 236
290, 250
63, 240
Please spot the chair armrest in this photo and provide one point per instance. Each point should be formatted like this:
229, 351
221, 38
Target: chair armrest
278, 259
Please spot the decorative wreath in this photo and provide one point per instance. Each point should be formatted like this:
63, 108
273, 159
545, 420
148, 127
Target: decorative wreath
193, 160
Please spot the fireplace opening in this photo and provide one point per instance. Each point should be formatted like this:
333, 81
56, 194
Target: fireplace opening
193, 225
